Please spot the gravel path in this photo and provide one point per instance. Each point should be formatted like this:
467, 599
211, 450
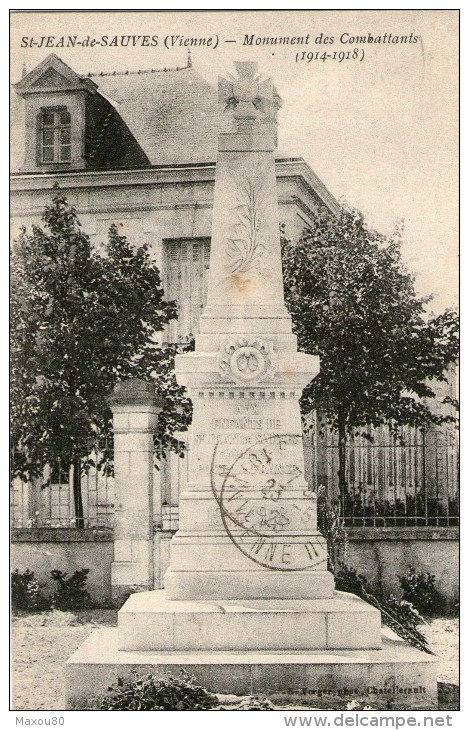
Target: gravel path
443, 636
41, 643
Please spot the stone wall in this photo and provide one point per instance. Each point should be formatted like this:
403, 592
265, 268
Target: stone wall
382, 554
379, 554
44, 549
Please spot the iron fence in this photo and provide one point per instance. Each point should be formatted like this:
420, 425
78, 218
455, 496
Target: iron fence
408, 479
404, 480
49, 502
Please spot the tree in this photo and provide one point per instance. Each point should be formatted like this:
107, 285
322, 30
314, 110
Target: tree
354, 304
82, 319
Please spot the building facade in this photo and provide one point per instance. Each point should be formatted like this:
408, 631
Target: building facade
138, 150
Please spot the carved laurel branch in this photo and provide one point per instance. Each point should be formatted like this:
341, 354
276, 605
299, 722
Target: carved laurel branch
245, 246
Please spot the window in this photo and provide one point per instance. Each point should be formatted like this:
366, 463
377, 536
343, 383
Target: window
186, 278
55, 136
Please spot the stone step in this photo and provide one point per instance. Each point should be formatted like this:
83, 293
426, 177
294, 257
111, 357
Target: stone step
396, 677
185, 585
149, 621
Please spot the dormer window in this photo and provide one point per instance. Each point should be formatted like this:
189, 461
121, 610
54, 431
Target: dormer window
54, 95
55, 144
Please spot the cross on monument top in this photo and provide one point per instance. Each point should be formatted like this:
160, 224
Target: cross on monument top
247, 96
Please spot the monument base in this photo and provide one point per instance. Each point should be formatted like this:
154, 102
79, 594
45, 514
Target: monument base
258, 647
231, 585
150, 622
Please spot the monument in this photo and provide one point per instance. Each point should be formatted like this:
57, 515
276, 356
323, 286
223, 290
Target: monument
248, 605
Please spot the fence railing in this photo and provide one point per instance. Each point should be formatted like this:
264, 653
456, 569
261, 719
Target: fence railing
49, 502
404, 480
408, 480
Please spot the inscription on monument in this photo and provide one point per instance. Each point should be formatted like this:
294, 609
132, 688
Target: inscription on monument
264, 507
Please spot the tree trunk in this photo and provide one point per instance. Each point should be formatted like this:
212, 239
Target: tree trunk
342, 433
77, 496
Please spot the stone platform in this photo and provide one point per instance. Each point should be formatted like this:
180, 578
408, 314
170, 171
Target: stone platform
149, 621
397, 676
284, 649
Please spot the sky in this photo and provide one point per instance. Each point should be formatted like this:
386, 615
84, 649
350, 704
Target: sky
380, 131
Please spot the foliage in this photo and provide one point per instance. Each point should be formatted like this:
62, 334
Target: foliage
254, 703
452, 607
82, 319
400, 616
420, 590
70, 592
331, 526
151, 693
353, 303
25, 592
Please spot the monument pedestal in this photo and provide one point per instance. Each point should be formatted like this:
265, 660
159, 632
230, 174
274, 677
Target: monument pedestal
396, 676
149, 621
301, 652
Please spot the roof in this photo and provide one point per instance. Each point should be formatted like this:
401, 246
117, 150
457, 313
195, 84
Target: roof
173, 115
52, 72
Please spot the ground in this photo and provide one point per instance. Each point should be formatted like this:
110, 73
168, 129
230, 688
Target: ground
42, 642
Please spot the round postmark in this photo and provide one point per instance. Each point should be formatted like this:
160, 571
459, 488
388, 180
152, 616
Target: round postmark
265, 507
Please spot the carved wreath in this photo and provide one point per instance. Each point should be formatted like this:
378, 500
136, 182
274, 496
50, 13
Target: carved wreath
247, 359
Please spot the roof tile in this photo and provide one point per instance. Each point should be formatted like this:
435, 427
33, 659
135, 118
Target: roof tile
174, 115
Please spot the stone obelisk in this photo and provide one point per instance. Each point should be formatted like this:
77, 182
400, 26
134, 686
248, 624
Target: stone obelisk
248, 604
248, 567
247, 518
